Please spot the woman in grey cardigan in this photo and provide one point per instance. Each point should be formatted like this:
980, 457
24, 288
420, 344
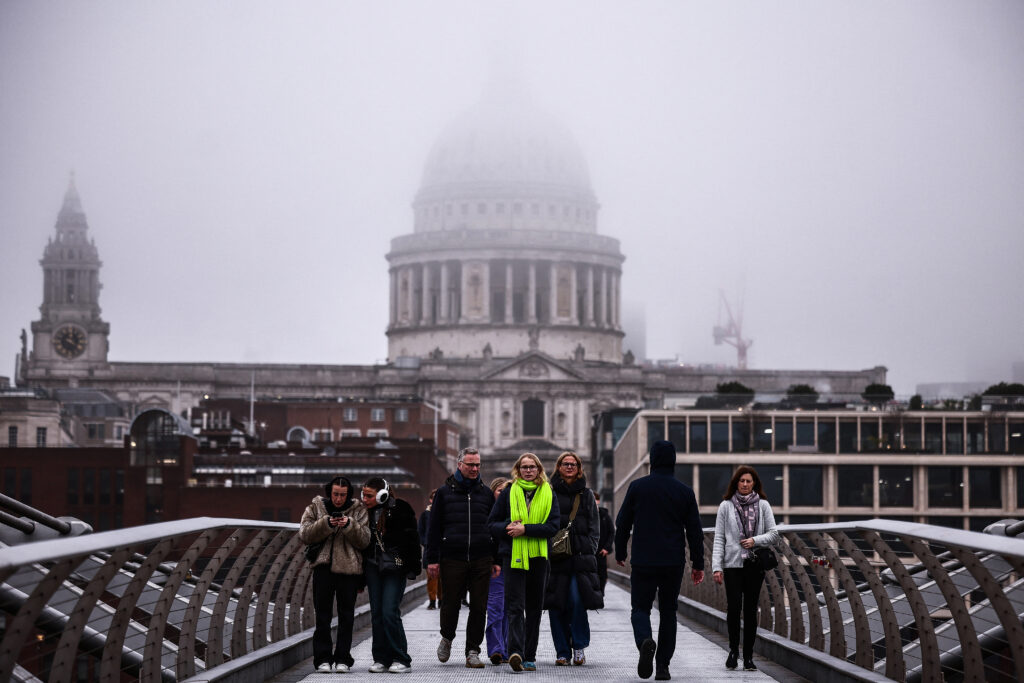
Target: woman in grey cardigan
745, 521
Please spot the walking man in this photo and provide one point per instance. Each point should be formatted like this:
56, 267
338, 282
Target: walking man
661, 514
460, 549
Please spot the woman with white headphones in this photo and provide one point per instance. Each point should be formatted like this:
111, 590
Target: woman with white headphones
392, 557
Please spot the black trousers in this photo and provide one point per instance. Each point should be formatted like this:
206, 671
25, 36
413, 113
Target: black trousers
330, 589
644, 583
602, 571
742, 590
524, 603
456, 577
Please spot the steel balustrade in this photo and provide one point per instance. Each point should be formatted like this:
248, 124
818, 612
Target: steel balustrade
157, 602
910, 602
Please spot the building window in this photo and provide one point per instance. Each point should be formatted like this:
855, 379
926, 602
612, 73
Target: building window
714, 480
986, 491
855, 485
945, 487
656, 432
72, 486
783, 434
378, 433
533, 417
771, 482
376, 414
401, 414
88, 486
10, 482
26, 486
719, 436
805, 485
105, 486
350, 414
40, 437
895, 486
350, 433
676, 434
698, 436
12, 436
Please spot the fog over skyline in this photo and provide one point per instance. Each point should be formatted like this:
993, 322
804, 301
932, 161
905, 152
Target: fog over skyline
853, 171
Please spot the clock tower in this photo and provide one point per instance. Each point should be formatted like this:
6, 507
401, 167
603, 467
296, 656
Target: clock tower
69, 341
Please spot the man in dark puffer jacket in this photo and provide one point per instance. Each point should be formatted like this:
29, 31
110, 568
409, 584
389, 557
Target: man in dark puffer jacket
460, 549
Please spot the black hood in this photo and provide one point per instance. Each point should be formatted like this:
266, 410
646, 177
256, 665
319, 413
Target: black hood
663, 456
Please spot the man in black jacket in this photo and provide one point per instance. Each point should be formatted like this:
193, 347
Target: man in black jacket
661, 513
460, 549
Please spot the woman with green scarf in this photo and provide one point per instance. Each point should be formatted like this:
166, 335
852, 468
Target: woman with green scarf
522, 520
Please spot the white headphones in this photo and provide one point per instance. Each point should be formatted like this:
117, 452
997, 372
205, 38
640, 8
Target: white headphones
384, 493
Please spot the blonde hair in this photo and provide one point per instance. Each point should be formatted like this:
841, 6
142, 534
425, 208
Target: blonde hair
580, 474
541, 474
498, 483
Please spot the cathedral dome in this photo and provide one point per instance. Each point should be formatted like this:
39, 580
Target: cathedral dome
506, 164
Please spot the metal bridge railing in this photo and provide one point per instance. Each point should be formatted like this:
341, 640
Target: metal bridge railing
912, 602
156, 602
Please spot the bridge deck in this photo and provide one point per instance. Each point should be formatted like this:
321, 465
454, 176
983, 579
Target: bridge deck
612, 656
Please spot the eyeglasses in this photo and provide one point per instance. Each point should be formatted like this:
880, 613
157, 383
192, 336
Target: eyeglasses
527, 467
569, 465
470, 464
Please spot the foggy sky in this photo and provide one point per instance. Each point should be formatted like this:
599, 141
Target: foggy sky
854, 171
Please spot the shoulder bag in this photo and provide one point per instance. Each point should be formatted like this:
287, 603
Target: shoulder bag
561, 542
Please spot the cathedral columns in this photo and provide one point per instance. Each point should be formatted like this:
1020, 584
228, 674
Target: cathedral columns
616, 322
425, 297
394, 296
574, 314
410, 308
531, 295
508, 293
445, 294
553, 293
589, 298
603, 308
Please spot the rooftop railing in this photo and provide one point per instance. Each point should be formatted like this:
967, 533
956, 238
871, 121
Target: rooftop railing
910, 602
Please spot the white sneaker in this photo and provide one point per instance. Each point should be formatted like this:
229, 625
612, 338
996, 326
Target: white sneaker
399, 668
341, 668
377, 668
324, 668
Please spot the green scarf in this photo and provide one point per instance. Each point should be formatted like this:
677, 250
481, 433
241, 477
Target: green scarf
525, 547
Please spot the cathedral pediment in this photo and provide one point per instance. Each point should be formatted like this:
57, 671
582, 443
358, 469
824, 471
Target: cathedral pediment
534, 366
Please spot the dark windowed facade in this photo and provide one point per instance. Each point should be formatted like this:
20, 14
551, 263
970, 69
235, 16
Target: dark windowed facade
533, 417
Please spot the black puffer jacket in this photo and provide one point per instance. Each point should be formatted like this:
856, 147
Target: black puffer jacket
458, 522
586, 532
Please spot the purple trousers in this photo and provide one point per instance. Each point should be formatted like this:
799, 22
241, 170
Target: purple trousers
497, 624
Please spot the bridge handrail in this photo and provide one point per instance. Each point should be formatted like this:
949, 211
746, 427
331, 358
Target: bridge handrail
910, 601
154, 602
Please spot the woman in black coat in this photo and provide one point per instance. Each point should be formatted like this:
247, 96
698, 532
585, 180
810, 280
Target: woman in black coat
392, 557
574, 586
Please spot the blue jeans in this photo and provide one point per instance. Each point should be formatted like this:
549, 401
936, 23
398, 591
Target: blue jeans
570, 628
644, 582
497, 624
385, 590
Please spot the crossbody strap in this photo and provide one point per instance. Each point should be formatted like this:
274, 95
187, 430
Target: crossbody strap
575, 507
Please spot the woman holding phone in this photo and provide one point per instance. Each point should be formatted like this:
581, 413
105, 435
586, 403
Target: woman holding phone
338, 521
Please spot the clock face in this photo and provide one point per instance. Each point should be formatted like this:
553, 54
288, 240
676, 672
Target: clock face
69, 341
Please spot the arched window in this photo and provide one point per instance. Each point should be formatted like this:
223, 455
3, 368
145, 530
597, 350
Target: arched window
297, 434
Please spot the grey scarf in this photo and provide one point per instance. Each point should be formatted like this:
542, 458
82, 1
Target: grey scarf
748, 508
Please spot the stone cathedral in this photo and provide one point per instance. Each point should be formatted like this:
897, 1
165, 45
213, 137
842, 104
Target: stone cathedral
504, 306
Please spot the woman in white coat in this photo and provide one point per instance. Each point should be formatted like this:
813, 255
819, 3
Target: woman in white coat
745, 521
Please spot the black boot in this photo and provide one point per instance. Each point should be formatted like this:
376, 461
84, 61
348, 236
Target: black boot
748, 665
730, 662
662, 674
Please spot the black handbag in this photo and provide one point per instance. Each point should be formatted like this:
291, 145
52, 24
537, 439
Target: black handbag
387, 559
765, 558
561, 542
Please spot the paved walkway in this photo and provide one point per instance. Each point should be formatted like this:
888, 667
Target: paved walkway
612, 655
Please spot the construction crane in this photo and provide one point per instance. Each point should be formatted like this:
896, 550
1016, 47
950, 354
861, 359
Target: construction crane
732, 332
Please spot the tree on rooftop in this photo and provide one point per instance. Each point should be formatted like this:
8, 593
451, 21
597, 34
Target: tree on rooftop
1004, 389
877, 393
801, 394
